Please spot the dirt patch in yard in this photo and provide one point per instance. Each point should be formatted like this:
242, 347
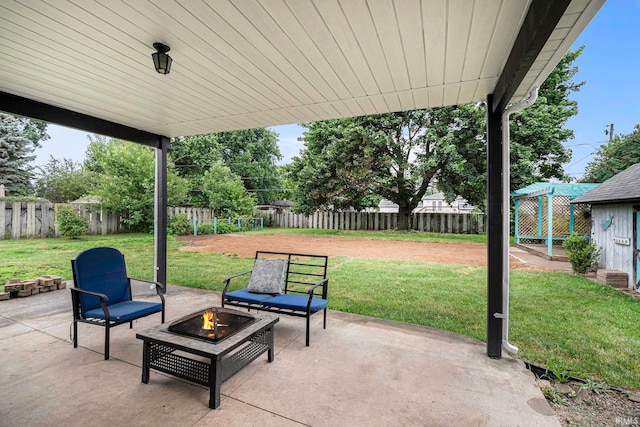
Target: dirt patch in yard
445, 253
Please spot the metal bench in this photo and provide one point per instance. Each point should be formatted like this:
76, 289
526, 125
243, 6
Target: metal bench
285, 283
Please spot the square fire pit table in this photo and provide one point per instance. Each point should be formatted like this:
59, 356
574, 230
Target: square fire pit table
171, 352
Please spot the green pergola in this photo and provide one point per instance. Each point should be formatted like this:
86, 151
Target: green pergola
534, 212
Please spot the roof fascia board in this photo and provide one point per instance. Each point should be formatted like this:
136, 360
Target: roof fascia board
543, 192
541, 19
18, 105
629, 201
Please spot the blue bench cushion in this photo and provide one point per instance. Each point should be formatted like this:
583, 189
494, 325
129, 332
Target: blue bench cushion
296, 302
245, 296
126, 311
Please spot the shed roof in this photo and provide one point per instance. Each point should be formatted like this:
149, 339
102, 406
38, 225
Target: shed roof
556, 189
620, 188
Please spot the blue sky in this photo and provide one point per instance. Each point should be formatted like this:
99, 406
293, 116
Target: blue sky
610, 65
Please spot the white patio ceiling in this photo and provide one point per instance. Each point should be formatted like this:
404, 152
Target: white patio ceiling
244, 64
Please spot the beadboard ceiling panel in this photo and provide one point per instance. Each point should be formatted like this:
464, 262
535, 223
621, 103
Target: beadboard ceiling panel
243, 64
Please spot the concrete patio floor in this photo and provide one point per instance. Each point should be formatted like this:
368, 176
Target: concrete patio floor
360, 371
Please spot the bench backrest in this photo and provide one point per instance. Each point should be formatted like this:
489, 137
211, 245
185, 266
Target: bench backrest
101, 270
303, 270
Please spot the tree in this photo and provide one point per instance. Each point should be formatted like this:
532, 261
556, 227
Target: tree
193, 156
19, 137
227, 196
126, 180
62, 181
346, 163
614, 157
351, 162
536, 140
251, 154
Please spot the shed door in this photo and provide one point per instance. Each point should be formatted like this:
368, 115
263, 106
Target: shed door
636, 251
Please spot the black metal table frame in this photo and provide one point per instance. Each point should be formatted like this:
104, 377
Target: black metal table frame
226, 357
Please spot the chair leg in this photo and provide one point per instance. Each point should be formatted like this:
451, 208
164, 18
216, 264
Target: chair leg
106, 342
324, 324
162, 314
308, 323
75, 333
131, 325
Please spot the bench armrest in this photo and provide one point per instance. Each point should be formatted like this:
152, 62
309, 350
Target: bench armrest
324, 283
227, 281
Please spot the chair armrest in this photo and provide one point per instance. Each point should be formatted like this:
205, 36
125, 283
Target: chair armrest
76, 302
227, 281
155, 285
103, 297
159, 287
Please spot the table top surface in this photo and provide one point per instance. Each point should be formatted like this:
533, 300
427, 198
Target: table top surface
161, 335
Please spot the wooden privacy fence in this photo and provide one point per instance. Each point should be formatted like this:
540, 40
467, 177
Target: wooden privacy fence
20, 220
432, 222
23, 220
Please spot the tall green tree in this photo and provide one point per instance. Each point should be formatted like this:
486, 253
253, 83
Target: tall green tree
353, 162
226, 193
19, 137
193, 156
537, 134
614, 157
126, 180
62, 181
350, 163
253, 154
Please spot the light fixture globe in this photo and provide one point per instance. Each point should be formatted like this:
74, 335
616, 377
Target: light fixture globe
161, 60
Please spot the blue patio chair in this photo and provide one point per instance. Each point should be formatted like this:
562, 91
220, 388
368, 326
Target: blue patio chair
102, 293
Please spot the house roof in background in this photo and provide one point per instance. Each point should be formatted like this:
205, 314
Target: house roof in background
250, 64
536, 189
623, 187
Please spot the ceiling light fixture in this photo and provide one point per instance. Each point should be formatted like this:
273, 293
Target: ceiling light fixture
161, 60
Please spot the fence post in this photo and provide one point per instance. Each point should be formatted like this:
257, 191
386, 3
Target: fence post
16, 207
195, 225
239, 224
215, 225
31, 219
2, 219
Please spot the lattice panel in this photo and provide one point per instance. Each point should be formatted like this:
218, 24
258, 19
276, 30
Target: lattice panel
582, 219
527, 217
528, 221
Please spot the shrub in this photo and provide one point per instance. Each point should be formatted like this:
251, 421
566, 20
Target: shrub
70, 223
206, 228
224, 227
179, 225
583, 254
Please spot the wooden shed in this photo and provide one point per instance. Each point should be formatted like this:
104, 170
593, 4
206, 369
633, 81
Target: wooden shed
615, 222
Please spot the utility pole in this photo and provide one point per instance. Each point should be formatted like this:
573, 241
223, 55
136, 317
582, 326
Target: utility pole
609, 132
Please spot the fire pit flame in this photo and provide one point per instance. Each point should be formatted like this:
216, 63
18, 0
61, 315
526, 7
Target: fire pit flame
211, 321
212, 324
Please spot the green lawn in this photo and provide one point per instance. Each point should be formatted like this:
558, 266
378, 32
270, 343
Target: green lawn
559, 320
